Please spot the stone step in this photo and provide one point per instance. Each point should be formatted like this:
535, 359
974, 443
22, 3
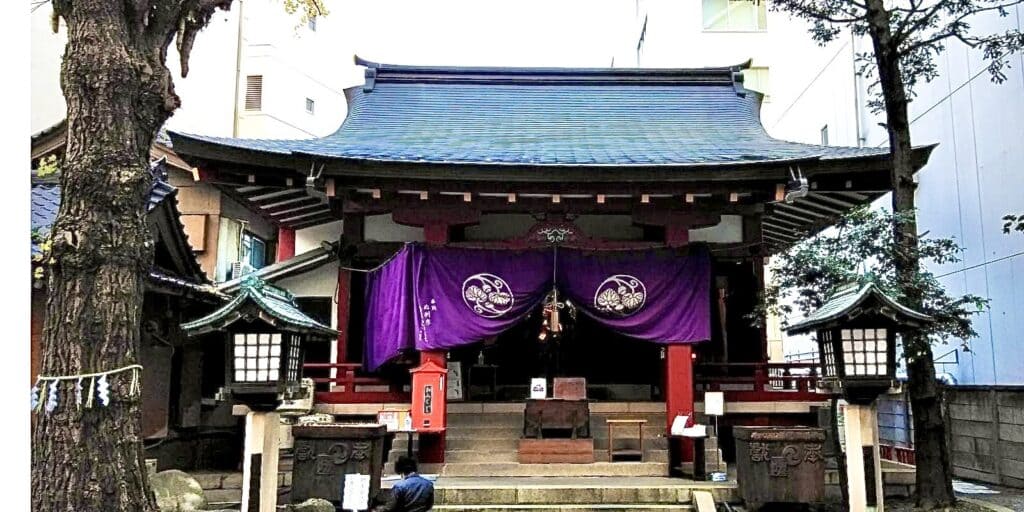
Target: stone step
563, 508
461, 456
513, 469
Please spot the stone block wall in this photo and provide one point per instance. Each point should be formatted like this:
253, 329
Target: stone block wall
987, 433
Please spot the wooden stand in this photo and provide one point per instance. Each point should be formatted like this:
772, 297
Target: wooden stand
612, 452
259, 469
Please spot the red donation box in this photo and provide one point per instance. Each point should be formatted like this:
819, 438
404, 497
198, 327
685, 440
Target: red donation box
429, 402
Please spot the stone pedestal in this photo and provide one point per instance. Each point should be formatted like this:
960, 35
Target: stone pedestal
324, 454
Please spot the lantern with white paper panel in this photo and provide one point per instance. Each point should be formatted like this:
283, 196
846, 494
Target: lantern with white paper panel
265, 333
856, 334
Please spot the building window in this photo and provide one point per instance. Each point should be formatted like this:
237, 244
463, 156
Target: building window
824, 135
756, 79
735, 15
254, 250
310, 106
254, 92
312, 24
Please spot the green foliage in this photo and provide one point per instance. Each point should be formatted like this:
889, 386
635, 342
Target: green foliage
920, 30
859, 248
311, 9
43, 259
1013, 223
48, 166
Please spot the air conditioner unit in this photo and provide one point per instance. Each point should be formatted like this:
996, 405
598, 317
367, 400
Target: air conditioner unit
239, 269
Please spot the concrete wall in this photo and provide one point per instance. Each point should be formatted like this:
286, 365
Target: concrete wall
987, 433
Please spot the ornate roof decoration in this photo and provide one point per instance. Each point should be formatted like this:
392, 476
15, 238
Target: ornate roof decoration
853, 300
258, 300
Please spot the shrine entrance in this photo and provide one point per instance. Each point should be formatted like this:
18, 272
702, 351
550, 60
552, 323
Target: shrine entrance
616, 367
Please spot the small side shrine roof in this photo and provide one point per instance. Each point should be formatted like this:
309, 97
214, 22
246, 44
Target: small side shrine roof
848, 301
256, 298
541, 117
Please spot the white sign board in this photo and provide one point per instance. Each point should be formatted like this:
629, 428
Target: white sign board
455, 389
538, 389
357, 492
714, 403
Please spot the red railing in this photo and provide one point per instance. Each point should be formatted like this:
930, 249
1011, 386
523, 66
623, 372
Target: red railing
346, 388
759, 382
899, 454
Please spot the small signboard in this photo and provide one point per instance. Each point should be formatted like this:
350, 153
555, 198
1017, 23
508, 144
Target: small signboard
395, 421
714, 403
356, 493
538, 389
455, 382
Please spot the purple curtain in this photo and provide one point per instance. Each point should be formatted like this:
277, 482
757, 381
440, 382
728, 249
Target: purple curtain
655, 295
389, 312
437, 298
466, 295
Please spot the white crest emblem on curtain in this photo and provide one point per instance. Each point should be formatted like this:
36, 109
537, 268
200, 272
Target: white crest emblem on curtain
487, 295
620, 295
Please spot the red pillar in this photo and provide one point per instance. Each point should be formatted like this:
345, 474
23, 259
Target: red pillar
343, 300
285, 243
679, 388
432, 445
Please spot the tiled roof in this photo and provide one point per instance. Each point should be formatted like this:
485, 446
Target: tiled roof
46, 201
549, 117
300, 263
274, 301
845, 300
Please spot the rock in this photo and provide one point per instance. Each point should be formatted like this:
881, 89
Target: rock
313, 505
176, 491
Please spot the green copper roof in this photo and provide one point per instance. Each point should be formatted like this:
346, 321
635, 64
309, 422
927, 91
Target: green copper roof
846, 300
277, 304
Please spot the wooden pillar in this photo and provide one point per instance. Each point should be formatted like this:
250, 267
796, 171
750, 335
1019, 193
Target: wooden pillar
344, 301
352, 232
679, 389
285, 244
259, 467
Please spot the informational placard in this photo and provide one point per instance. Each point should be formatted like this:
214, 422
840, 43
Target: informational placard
714, 403
538, 389
455, 382
399, 420
840, 413
356, 494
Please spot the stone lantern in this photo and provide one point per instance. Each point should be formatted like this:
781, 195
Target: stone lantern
856, 334
265, 332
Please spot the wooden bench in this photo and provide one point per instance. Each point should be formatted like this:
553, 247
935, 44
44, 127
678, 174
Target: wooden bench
612, 452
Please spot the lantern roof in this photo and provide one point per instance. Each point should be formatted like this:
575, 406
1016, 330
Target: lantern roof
258, 299
853, 300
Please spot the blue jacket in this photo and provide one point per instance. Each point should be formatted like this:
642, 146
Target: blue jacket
414, 494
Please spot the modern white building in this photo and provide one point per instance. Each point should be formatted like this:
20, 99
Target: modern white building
815, 95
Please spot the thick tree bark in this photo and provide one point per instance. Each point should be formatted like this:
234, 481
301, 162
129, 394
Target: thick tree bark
118, 94
934, 471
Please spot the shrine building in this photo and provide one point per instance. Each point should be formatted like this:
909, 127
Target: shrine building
509, 224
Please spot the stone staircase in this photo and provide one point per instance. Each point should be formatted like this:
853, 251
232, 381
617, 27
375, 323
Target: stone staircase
522, 494
485, 444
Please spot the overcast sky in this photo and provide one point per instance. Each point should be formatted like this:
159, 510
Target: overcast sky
572, 33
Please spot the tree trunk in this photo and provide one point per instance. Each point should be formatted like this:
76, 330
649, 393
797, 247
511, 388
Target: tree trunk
118, 94
934, 471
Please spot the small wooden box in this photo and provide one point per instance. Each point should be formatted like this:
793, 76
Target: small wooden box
552, 451
570, 388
